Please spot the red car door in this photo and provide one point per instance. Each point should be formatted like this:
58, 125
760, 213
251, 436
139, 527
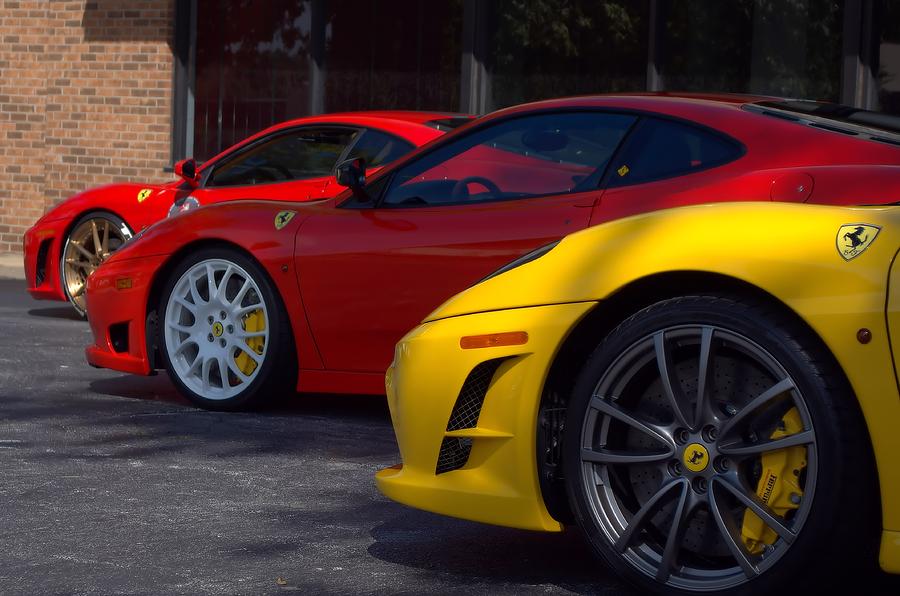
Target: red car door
369, 272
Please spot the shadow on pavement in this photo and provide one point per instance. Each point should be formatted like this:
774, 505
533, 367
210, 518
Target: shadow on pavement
56, 312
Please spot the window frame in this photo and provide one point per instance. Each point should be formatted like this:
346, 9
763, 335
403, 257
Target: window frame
236, 154
379, 201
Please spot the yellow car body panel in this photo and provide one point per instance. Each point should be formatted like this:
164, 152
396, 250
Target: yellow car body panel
793, 252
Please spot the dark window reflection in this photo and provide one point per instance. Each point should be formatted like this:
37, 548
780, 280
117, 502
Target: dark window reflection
774, 47
252, 68
550, 48
888, 74
401, 54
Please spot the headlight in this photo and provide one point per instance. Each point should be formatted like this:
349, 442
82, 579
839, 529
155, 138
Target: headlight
526, 258
183, 205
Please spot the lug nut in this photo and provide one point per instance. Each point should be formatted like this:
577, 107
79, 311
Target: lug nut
675, 468
709, 434
721, 464
210, 319
730, 410
222, 314
230, 328
222, 342
700, 485
682, 436
210, 337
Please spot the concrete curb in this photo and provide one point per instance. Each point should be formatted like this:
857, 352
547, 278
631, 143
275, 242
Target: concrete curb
11, 266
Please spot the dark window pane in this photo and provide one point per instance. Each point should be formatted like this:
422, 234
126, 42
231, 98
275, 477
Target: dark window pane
298, 155
663, 148
529, 156
551, 48
252, 69
378, 148
888, 20
402, 54
780, 47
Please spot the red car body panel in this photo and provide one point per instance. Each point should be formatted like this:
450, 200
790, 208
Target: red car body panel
354, 280
122, 199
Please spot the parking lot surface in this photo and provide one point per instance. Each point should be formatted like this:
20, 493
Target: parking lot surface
114, 484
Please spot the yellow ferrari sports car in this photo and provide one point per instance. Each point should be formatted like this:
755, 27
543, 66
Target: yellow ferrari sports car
709, 393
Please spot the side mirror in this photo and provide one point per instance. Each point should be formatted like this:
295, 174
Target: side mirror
187, 169
351, 173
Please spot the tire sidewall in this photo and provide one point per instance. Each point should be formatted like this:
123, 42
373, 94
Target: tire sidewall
817, 530
256, 389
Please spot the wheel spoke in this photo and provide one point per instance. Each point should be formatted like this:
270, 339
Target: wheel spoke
670, 383
104, 247
205, 369
96, 237
187, 342
646, 512
195, 293
251, 353
223, 284
251, 334
211, 289
191, 308
87, 254
232, 365
180, 327
622, 457
240, 295
753, 502
223, 371
730, 534
804, 437
676, 536
78, 291
246, 310
704, 375
608, 408
762, 399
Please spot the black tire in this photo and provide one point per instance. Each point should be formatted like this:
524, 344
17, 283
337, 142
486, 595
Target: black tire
838, 539
115, 222
276, 374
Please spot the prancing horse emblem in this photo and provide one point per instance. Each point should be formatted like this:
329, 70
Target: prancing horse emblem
283, 217
696, 457
854, 239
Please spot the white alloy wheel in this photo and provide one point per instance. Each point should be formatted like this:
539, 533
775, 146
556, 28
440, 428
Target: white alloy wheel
216, 329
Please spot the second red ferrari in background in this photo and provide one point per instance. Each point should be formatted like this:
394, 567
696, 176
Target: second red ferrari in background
291, 161
236, 300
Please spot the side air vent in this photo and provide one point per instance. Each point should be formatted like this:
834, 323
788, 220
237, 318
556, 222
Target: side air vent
40, 272
455, 450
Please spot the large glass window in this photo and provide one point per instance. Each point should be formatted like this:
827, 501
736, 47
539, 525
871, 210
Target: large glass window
401, 54
888, 81
524, 157
252, 69
296, 155
540, 49
775, 47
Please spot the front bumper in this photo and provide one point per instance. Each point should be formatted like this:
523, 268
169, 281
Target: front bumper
42, 244
117, 296
494, 476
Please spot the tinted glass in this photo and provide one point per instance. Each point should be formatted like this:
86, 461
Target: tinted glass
401, 54
539, 49
378, 148
298, 155
887, 18
524, 157
663, 148
252, 69
789, 48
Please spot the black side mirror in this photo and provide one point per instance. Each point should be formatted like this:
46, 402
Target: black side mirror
351, 173
187, 169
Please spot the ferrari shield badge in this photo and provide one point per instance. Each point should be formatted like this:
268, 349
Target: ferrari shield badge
143, 194
854, 239
283, 217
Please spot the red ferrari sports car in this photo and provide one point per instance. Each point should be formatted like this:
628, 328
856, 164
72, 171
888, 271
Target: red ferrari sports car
290, 161
237, 299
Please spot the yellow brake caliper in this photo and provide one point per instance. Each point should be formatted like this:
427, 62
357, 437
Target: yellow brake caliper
254, 321
779, 484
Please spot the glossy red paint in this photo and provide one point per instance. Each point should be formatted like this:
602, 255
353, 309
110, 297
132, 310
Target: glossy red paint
355, 278
122, 199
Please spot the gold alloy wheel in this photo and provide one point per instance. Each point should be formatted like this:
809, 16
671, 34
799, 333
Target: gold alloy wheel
89, 244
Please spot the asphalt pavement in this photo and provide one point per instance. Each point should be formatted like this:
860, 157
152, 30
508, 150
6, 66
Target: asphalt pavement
111, 483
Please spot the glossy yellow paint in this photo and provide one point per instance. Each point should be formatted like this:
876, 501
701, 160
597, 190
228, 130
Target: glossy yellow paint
794, 252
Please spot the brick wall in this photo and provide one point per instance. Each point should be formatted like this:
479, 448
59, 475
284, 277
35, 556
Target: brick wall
85, 99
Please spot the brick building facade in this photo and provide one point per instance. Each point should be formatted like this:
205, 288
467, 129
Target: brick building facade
85, 99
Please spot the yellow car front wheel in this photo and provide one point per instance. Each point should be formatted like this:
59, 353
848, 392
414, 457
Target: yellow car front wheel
713, 446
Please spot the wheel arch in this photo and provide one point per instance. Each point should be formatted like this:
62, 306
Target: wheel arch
603, 318
162, 275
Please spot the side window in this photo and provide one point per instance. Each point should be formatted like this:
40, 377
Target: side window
663, 149
378, 148
524, 157
295, 155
